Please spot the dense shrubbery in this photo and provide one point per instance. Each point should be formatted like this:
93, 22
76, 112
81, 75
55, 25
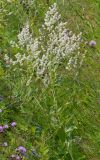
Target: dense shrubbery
49, 82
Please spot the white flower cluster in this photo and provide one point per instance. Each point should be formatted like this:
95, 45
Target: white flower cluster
55, 43
25, 37
8, 60
52, 17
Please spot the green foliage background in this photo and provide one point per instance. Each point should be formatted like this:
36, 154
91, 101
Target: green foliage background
61, 122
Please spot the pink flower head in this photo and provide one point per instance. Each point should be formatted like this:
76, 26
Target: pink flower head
21, 149
92, 43
1, 129
18, 158
13, 124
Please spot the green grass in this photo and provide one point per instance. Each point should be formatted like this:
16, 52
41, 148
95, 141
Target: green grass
62, 121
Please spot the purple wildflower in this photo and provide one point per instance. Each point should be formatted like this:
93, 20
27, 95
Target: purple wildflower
92, 43
13, 124
21, 149
1, 129
5, 126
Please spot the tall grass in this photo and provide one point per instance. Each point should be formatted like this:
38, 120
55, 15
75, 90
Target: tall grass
59, 121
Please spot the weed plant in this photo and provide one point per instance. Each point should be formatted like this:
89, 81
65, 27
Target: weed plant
54, 115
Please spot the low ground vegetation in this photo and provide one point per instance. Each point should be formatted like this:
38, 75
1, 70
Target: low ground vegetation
49, 80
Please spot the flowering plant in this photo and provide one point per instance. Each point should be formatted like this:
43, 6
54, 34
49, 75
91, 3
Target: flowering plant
44, 54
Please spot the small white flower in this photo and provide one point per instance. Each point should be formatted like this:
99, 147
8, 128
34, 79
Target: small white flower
1, 111
24, 36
